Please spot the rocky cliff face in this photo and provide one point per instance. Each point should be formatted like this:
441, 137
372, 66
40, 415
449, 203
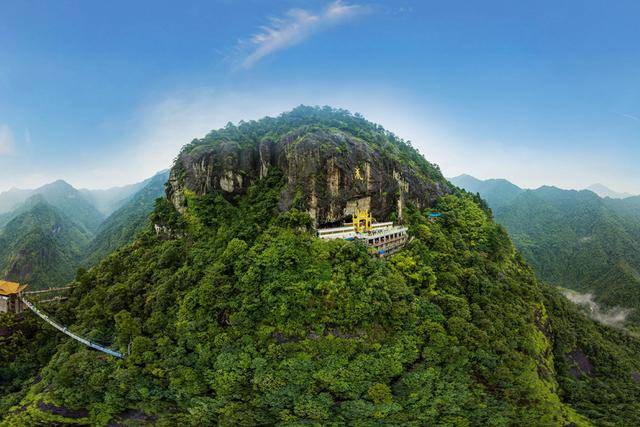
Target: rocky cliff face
334, 162
331, 170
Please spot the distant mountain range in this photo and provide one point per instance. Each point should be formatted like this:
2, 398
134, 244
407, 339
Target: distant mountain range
48, 232
109, 200
122, 225
604, 191
574, 239
58, 194
503, 188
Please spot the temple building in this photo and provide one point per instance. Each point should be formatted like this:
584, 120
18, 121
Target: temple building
10, 301
382, 238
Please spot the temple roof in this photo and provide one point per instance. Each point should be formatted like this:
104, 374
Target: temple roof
10, 288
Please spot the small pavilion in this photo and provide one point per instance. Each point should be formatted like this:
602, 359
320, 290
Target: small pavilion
10, 301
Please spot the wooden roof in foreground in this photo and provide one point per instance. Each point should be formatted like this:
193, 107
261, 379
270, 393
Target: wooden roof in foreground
10, 288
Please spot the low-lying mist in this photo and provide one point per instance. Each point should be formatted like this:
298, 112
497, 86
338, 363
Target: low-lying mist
615, 316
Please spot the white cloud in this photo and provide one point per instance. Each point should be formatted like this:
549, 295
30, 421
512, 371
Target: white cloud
631, 117
294, 27
615, 316
6, 140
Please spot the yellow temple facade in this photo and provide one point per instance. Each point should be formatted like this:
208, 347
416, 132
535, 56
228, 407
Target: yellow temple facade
382, 238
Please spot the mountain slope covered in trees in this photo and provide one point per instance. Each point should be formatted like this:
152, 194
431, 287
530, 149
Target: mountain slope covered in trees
122, 226
232, 312
48, 235
69, 201
573, 239
41, 246
110, 200
498, 192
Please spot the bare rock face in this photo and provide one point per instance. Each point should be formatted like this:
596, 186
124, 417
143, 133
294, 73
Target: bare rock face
333, 172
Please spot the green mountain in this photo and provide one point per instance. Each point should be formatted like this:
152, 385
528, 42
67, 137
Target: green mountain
574, 239
11, 199
498, 192
41, 246
69, 201
232, 312
110, 200
34, 252
122, 226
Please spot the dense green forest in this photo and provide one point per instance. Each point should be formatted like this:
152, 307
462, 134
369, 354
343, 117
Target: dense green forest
573, 239
47, 233
41, 245
232, 312
122, 226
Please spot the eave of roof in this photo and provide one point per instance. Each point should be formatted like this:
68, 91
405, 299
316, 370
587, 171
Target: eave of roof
10, 288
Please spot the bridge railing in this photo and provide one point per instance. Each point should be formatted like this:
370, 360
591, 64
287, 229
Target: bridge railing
49, 290
66, 331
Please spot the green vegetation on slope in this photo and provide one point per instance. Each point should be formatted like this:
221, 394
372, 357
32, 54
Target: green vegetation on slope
121, 227
498, 192
41, 246
69, 201
276, 325
234, 313
110, 200
42, 243
25, 347
574, 239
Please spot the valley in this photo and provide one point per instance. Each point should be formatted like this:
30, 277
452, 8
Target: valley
239, 213
48, 233
573, 239
228, 309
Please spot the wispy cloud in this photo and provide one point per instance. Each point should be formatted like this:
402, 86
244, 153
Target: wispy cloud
294, 27
631, 117
6, 140
615, 316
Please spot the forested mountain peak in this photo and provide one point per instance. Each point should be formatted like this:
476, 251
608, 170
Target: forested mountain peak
333, 161
553, 191
40, 246
576, 239
471, 180
60, 194
230, 311
57, 185
497, 192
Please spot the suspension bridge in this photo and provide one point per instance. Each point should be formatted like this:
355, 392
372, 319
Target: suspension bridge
67, 332
14, 299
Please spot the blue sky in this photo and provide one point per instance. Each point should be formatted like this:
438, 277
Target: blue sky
105, 93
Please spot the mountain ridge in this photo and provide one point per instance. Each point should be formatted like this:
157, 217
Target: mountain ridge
604, 191
32, 254
109, 200
41, 246
231, 311
577, 240
124, 224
